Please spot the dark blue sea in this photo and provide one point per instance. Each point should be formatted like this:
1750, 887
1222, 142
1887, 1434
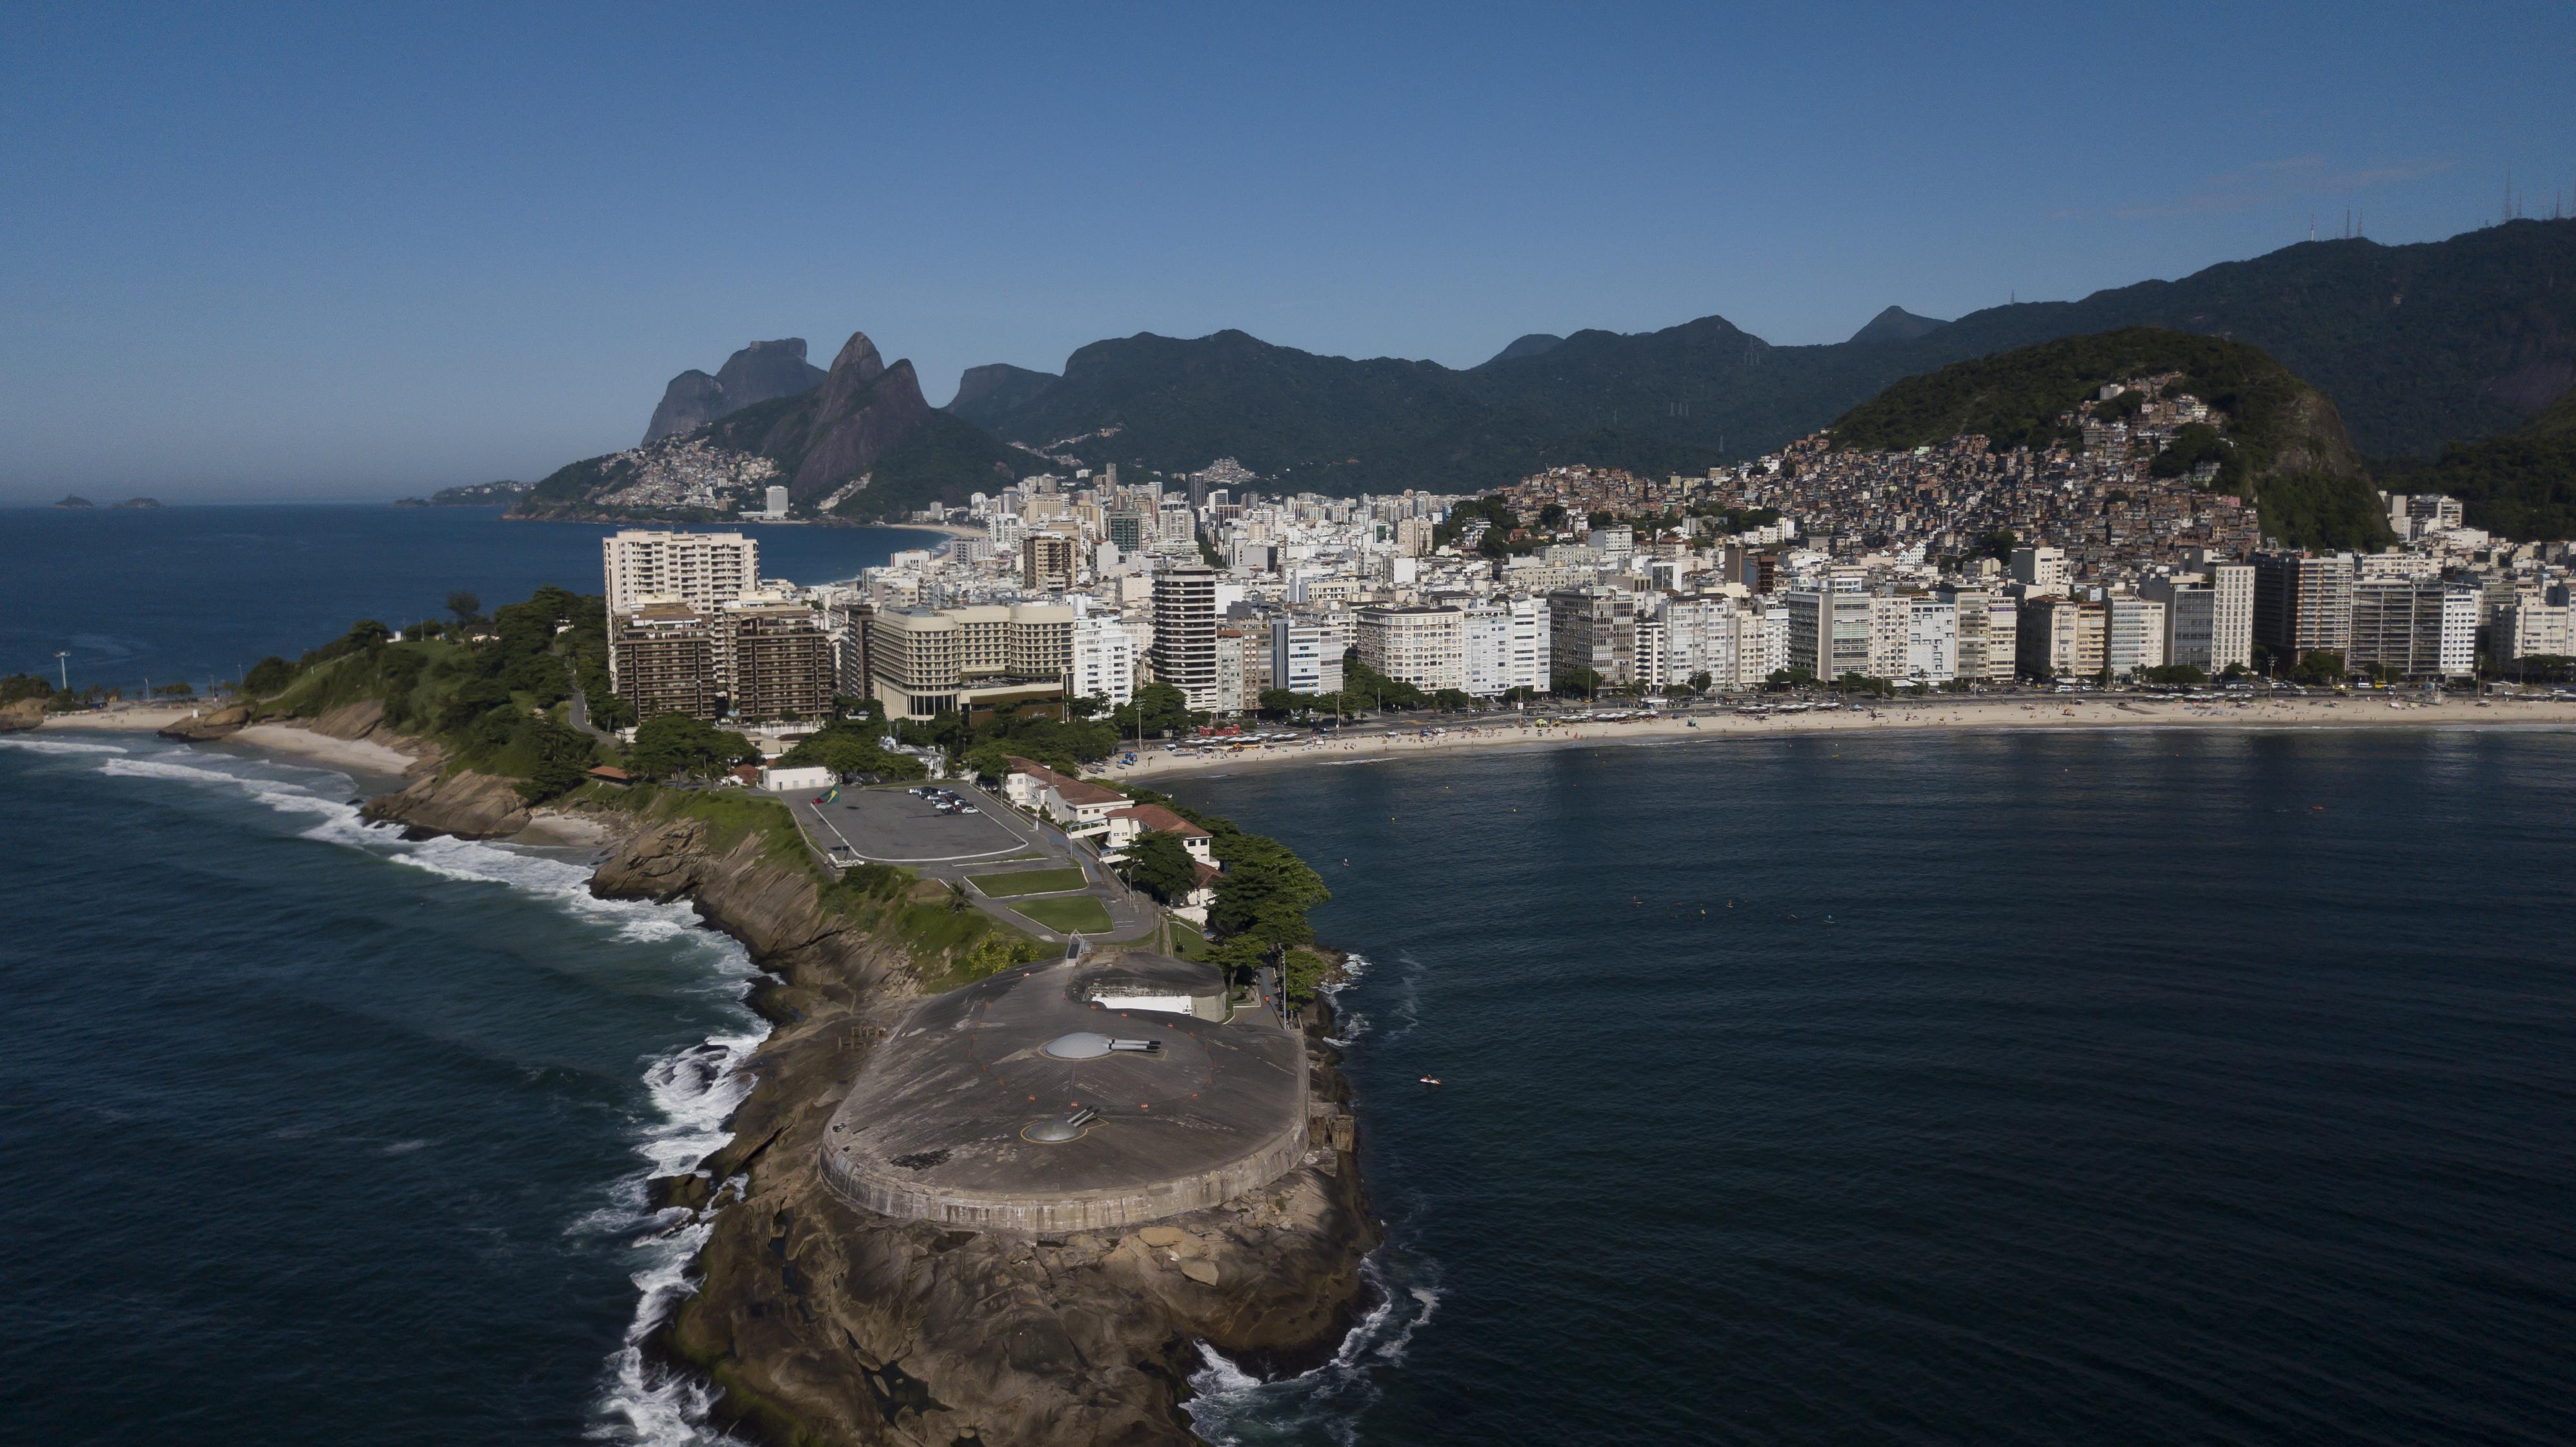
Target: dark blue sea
197, 594
2118, 1087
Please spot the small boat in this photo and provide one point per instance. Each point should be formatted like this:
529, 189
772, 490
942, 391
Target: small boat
1431, 1080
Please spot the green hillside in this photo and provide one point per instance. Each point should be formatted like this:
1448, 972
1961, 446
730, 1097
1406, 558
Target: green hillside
2521, 485
2285, 442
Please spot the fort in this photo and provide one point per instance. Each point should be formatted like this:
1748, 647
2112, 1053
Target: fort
1076, 1095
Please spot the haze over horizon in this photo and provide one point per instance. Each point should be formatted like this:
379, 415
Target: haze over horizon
315, 255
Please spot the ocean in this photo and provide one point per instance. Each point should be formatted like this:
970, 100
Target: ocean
2117, 1087
2018, 1087
197, 594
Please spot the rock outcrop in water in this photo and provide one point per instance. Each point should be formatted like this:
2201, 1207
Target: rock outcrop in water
212, 724
823, 1323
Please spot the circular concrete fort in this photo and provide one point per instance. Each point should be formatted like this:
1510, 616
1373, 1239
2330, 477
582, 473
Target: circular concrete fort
1078, 1095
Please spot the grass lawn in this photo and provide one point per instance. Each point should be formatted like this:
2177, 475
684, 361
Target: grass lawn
1074, 913
1187, 942
1029, 881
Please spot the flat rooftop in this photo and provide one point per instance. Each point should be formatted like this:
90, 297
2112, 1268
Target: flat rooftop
948, 1120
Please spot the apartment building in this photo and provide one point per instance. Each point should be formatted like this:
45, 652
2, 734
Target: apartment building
2414, 629
697, 570
2303, 603
1047, 563
1931, 641
1985, 622
661, 659
2040, 569
1593, 628
1104, 660
782, 663
2133, 634
1423, 646
2060, 637
1185, 632
1829, 633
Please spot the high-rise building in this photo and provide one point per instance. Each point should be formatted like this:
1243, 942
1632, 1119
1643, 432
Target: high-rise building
1595, 629
1829, 633
1986, 633
2133, 634
1297, 656
1104, 660
1185, 633
2059, 637
1504, 645
661, 659
1699, 636
696, 570
1047, 562
2414, 629
782, 662
2231, 616
2303, 603
2190, 616
1931, 640
1422, 646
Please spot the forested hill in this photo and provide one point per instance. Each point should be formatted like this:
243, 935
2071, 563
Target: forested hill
2285, 442
2521, 485
2420, 344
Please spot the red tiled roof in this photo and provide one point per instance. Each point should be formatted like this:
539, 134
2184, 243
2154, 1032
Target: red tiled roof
1161, 820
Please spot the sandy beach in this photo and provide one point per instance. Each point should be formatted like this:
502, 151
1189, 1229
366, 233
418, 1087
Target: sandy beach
1883, 718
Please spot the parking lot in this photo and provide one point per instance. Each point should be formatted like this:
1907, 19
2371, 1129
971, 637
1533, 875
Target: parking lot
892, 826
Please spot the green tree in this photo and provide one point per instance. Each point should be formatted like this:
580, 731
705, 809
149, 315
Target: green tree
563, 760
1159, 709
1585, 681
674, 745
2319, 668
465, 606
1159, 864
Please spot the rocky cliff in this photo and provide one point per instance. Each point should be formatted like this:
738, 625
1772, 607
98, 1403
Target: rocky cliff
756, 374
826, 1324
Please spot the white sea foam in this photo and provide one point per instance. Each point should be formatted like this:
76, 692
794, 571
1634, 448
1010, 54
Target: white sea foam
1232, 1408
693, 1091
1353, 1023
56, 746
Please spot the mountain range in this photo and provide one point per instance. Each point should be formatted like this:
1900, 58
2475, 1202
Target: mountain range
2417, 346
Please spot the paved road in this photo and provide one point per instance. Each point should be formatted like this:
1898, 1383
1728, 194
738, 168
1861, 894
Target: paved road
890, 825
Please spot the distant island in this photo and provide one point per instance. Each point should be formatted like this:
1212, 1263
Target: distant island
472, 494
75, 500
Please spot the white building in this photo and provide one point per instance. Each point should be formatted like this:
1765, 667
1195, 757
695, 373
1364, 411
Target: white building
1423, 646
1931, 641
1104, 659
2043, 569
1699, 636
697, 570
2134, 635
1504, 645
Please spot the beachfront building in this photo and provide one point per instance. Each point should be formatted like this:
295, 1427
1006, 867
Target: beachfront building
1829, 633
2414, 629
2133, 634
2303, 603
1423, 646
1595, 629
1184, 649
697, 570
1931, 641
1104, 660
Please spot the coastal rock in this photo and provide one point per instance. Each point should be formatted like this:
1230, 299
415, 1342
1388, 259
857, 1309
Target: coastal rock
214, 724
350, 720
822, 1323
21, 715
466, 804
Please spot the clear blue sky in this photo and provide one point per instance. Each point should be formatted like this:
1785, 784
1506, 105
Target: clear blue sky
352, 251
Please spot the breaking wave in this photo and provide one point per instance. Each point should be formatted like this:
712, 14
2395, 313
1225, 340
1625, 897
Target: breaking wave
56, 746
1230, 1407
692, 1092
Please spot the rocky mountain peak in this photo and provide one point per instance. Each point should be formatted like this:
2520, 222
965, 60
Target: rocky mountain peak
758, 373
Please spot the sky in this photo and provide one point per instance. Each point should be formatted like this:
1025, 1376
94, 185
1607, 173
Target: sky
351, 252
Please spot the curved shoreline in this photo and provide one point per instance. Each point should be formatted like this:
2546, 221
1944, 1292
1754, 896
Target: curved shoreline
1902, 718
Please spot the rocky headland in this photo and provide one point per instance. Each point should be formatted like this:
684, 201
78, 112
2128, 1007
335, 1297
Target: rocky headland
822, 1323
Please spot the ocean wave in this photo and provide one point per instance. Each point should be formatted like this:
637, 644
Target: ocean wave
56, 746
1355, 966
1230, 1407
692, 1092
